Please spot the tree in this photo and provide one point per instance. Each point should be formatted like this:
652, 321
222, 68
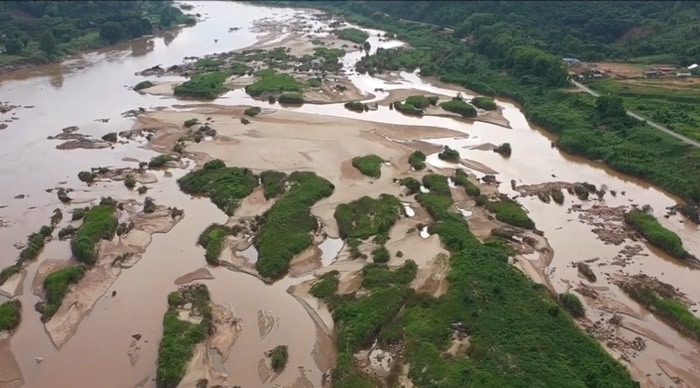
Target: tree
609, 107
111, 32
47, 42
13, 46
367, 46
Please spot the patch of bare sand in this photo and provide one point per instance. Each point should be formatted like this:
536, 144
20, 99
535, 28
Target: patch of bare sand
164, 88
681, 376
305, 262
10, 372
227, 328
324, 352
122, 252
198, 274
14, 285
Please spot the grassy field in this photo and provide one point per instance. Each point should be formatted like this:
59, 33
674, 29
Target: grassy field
670, 102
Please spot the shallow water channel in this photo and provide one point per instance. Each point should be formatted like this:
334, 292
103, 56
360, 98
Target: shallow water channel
95, 86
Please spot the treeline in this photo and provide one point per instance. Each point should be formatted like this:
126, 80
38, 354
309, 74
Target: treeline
42, 30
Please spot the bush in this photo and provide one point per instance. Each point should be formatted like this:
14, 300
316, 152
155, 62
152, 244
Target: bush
315, 82
35, 243
278, 358
417, 160
462, 179
149, 206
380, 255
408, 109
352, 34
657, 235
486, 103
225, 186
110, 137
100, 224
160, 161
412, 184
9, 272
460, 107
366, 217
206, 86
285, 228
369, 165
62, 195
87, 177
418, 101
212, 240
10, 315
585, 270
557, 196
79, 213
272, 82
56, 287
450, 155
143, 85
129, 181
252, 111
326, 285
572, 304
355, 106
508, 211
291, 99
273, 183
191, 122
503, 149
437, 184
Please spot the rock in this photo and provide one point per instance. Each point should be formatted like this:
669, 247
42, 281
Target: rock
114, 293
136, 336
245, 121
3, 126
19, 245
71, 129
20, 196
39, 360
84, 143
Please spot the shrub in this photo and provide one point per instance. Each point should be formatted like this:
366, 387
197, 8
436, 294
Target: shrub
585, 270
278, 358
129, 181
450, 155
417, 160
557, 196
508, 211
225, 186
100, 223
315, 82
437, 184
206, 86
191, 122
10, 315
149, 206
380, 255
460, 107
63, 195
35, 243
408, 109
272, 82
110, 137
355, 106
366, 217
486, 103
433, 100
252, 111
369, 165
572, 304
79, 213
160, 161
503, 149
9, 272
87, 176
462, 179
352, 34
56, 286
212, 240
412, 184
657, 235
326, 285
143, 85
418, 101
291, 99
273, 183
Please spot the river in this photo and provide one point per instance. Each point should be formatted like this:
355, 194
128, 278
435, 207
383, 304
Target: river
95, 85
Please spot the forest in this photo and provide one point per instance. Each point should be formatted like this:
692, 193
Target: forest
42, 31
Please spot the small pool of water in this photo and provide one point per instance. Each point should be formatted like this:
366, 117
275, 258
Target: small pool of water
424, 232
408, 209
330, 248
250, 253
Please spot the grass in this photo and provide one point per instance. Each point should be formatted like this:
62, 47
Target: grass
56, 287
291, 98
369, 165
450, 155
657, 235
366, 217
180, 337
418, 101
417, 160
326, 285
461, 178
279, 357
285, 229
352, 34
10, 271
508, 211
460, 107
670, 105
274, 183
206, 86
273, 82
100, 223
437, 184
212, 240
486, 103
380, 276
10, 315
225, 186
412, 184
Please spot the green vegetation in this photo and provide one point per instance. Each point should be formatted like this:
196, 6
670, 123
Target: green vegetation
503, 149
418, 101
486, 103
274, 183
10, 271
190, 123
10, 315
110, 137
79, 213
326, 285
437, 184
100, 224
380, 255
450, 155
506, 210
291, 99
572, 304
670, 310
42, 31
160, 161
417, 160
207, 86
273, 82
355, 106
285, 228
366, 217
56, 287
352, 34
212, 240
143, 85
369, 165
585, 270
412, 184
462, 179
460, 107
87, 176
557, 196
225, 186
666, 240
380, 276
252, 111
278, 358
129, 181
35, 243
315, 82
180, 337
408, 109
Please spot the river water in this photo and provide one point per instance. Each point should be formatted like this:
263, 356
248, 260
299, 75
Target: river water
95, 86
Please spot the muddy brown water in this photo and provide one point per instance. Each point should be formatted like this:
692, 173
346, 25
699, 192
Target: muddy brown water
95, 86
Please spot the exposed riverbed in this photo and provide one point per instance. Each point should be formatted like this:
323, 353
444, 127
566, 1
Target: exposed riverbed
96, 86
